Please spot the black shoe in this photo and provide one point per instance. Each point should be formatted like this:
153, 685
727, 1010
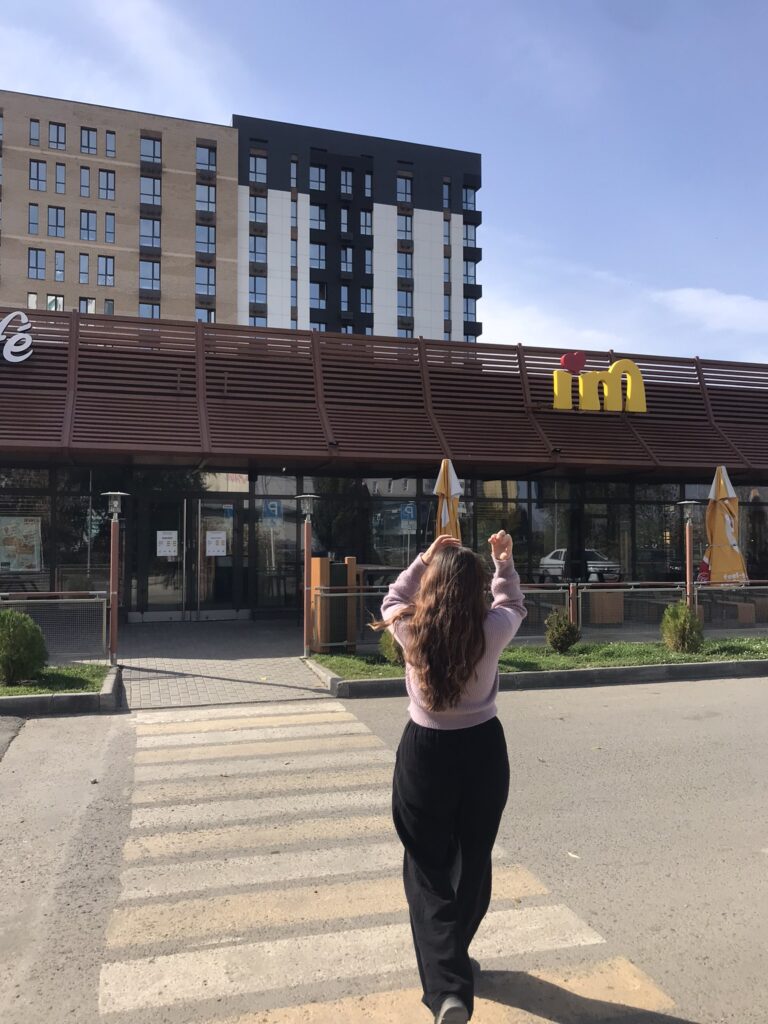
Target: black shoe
453, 1011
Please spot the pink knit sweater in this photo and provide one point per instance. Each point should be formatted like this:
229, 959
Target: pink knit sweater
478, 701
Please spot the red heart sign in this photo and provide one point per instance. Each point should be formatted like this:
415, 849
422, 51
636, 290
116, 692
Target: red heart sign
573, 362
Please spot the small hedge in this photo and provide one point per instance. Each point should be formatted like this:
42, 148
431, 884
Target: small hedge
561, 633
390, 649
681, 629
22, 648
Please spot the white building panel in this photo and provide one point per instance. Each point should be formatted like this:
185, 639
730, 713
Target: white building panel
384, 270
428, 274
278, 258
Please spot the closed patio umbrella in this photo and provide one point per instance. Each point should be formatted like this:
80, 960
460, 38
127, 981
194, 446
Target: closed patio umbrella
448, 490
723, 557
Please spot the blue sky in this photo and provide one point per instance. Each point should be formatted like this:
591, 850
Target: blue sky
625, 156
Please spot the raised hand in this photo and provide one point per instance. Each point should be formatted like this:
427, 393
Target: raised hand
501, 545
438, 544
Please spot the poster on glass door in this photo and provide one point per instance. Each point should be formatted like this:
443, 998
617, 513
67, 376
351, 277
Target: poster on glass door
215, 543
167, 543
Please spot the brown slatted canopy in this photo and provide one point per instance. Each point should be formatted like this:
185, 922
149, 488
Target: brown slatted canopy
112, 387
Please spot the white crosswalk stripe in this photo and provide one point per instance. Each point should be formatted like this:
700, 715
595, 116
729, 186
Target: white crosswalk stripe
262, 864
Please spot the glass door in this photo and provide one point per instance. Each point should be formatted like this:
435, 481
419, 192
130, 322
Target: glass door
220, 559
165, 560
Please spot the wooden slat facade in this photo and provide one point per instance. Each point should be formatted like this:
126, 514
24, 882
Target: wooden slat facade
110, 387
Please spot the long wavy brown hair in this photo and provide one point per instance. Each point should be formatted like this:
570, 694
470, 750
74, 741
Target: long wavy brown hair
445, 638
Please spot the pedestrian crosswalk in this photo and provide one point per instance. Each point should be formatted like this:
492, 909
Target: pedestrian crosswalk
261, 884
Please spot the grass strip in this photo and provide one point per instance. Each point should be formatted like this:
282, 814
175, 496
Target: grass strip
76, 678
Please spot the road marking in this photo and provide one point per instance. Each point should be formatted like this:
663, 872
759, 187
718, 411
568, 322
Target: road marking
231, 750
224, 916
222, 811
246, 722
263, 765
157, 880
549, 995
298, 707
228, 786
252, 968
246, 735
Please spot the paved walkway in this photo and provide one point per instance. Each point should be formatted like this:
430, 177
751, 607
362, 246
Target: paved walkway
179, 664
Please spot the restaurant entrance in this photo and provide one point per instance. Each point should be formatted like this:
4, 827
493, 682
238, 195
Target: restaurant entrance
192, 559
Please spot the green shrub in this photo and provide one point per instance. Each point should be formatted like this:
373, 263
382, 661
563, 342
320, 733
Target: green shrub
390, 649
681, 629
562, 634
22, 647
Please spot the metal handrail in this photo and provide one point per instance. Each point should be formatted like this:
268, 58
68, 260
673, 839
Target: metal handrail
58, 595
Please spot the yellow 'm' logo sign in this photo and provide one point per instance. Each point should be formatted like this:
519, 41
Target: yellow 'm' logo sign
611, 381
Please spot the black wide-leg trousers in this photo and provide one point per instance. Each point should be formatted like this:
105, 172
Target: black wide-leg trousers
448, 794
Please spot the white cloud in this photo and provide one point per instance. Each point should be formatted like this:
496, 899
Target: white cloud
505, 323
715, 310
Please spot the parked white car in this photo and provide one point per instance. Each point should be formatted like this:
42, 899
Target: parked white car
600, 568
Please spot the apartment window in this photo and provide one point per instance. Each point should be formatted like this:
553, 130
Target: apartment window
368, 186
317, 177
88, 140
404, 303
345, 183
405, 227
205, 198
149, 276
149, 233
150, 150
344, 219
31, 300
470, 272
294, 291
446, 270
106, 184
110, 149
317, 217
54, 303
149, 310
85, 182
347, 329
257, 289
316, 256
84, 268
205, 316
257, 206
205, 238
346, 260
446, 335
470, 309
404, 189
446, 307
257, 169
55, 221
344, 300
368, 261
470, 338
367, 331
106, 272
294, 214
87, 226
87, 305
36, 264
109, 227
294, 173
57, 135
38, 176
317, 295
404, 332
317, 325
469, 199
294, 253
58, 265
34, 133
109, 305
61, 178
446, 232
366, 222
2, 126
33, 219
149, 191
470, 235
405, 264
205, 158
205, 280
257, 249
446, 195
366, 300
257, 320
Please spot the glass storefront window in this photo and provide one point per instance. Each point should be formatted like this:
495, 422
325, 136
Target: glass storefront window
607, 542
394, 533
183, 478
82, 544
225, 483
25, 555
428, 485
551, 490
276, 483
658, 540
515, 490
428, 517
753, 538
603, 490
550, 536
492, 516
658, 492
23, 479
277, 554
388, 486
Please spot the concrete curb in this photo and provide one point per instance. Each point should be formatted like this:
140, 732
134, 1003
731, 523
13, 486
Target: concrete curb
109, 698
562, 679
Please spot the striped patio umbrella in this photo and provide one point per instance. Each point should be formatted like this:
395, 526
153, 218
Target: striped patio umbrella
448, 490
723, 557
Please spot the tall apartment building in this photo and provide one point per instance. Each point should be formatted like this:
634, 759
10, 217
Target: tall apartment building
263, 223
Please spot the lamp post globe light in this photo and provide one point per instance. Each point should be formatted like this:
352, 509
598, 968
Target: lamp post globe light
687, 507
114, 505
307, 505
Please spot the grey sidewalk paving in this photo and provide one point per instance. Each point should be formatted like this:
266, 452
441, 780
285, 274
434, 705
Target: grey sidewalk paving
179, 664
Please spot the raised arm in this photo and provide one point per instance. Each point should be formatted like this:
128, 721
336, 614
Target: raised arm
508, 607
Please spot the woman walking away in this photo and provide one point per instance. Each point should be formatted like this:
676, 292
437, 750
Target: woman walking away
451, 774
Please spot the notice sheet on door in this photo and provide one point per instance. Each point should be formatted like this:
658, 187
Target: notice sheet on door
215, 543
167, 543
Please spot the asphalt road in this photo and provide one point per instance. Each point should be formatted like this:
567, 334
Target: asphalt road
138, 862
